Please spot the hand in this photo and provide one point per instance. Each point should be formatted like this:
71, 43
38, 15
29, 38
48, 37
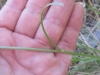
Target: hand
20, 26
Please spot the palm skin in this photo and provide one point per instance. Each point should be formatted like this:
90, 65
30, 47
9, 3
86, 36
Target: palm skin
19, 26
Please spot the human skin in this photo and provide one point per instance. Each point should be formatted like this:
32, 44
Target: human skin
20, 27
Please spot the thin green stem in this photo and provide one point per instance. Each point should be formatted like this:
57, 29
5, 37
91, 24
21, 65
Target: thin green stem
93, 8
46, 33
55, 3
47, 50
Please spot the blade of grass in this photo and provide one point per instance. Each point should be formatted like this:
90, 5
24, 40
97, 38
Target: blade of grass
55, 3
92, 8
85, 59
89, 48
48, 50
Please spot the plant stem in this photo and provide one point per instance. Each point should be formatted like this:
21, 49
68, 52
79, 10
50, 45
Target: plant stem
48, 50
45, 31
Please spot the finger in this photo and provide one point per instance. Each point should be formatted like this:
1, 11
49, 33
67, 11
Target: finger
10, 13
30, 18
69, 37
55, 22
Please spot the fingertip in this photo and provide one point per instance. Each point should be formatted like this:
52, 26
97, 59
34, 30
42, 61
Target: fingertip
81, 3
80, 6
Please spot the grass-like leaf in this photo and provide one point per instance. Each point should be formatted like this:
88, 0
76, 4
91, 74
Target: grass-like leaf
55, 3
93, 9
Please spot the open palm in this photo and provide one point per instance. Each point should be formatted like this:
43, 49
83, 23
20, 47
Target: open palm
20, 26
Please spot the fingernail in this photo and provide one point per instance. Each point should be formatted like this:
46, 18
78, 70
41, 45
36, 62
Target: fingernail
83, 4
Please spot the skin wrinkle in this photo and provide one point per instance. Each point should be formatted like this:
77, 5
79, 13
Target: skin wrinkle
28, 24
40, 66
36, 11
16, 4
51, 67
6, 58
55, 21
21, 34
43, 43
73, 29
66, 43
17, 63
31, 5
8, 39
8, 14
8, 63
48, 59
13, 7
24, 67
21, 68
35, 6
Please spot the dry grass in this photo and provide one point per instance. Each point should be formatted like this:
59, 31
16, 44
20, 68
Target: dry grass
90, 35
2, 3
